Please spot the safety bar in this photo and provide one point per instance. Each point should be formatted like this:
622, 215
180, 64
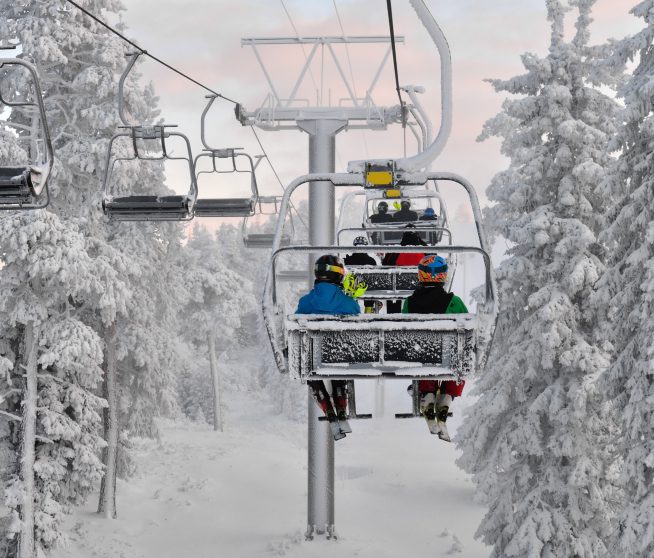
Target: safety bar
422, 228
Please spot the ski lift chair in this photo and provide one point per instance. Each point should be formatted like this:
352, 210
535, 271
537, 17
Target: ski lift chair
408, 346
132, 145
395, 282
26, 186
266, 205
224, 206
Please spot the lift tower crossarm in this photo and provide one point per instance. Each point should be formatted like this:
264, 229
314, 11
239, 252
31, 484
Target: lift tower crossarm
249, 41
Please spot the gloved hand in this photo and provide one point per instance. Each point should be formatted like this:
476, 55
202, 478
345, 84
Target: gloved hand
397, 205
353, 286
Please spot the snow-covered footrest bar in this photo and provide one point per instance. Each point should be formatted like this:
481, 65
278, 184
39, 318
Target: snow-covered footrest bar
390, 346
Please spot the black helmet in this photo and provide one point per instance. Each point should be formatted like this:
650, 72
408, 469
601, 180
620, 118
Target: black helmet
405, 204
360, 241
329, 268
382, 207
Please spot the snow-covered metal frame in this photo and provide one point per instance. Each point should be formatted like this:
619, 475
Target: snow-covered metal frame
304, 336
275, 110
367, 346
223, 206
26, 187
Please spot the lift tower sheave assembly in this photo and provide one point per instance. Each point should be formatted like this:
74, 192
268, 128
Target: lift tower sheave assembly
321, 123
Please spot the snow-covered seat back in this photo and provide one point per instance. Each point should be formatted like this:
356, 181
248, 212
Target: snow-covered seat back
389, 346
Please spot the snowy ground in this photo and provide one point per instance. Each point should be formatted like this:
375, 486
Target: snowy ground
242, 493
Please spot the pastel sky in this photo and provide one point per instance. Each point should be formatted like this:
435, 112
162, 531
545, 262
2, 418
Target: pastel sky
486, 39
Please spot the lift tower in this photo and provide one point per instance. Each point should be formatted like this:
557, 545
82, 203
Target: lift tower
321, 122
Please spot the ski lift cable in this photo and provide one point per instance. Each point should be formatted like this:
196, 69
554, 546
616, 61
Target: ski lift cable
397, 79
143, 51
156, 59
277, 175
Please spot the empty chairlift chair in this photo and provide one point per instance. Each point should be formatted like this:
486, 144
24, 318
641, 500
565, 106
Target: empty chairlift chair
24, 185
146, 143
227, 161
266, 205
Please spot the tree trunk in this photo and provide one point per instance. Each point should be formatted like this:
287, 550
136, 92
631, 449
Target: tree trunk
215, 380
107, 503
26, 546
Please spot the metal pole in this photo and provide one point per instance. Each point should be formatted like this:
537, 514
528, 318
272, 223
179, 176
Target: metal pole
322, 156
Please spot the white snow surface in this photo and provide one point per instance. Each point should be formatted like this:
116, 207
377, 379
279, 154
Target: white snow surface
242, 493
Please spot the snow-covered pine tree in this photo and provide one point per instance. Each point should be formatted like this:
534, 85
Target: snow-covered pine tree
80, 63
626, 292
51, 361
535, 441
217, 299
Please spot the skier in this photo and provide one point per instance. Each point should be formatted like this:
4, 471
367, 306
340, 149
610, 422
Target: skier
429, 215
409, 238
382, 215
405, 213
431, 298
360, 258
327, 297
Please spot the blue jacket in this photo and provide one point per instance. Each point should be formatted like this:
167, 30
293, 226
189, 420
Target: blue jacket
327, 298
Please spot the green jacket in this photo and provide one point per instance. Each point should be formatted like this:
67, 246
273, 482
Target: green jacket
424, 300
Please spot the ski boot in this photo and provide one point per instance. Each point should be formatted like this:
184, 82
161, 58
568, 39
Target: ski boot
442, 412
339, 395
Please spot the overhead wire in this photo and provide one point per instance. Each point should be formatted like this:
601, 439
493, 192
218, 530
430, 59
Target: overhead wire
297, 35
389, 9
150, 55
186, 76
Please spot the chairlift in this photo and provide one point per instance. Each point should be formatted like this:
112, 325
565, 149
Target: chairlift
266, 205
390, 232
25, 186
369, 346
137, 207
224, 206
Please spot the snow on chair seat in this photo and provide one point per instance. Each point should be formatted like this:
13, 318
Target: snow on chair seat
144, 208
15, 185
372, 346
226, 207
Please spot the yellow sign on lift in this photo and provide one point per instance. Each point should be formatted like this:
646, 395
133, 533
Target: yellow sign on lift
379, 178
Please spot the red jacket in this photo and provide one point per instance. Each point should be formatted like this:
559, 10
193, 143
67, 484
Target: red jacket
409, 259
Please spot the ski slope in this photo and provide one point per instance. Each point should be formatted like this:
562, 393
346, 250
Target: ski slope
242, 493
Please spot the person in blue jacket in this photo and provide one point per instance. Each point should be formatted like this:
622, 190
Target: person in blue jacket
327, 297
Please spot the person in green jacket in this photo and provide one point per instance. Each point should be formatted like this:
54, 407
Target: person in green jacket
432, 298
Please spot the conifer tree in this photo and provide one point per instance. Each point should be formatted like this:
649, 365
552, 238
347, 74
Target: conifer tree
535, 441
625, 295
80, 63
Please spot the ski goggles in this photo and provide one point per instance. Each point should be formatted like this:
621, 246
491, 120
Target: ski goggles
321, 268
